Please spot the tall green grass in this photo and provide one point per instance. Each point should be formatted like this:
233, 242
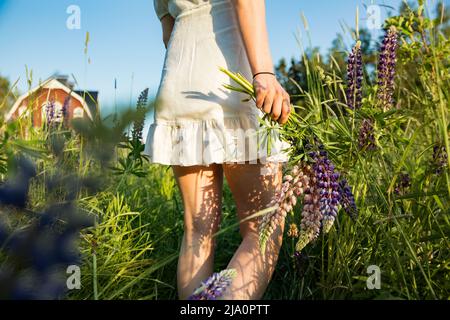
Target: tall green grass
131, 252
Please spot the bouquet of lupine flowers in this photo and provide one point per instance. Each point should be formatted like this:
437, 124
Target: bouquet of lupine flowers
311, 176
315, 180
312, 179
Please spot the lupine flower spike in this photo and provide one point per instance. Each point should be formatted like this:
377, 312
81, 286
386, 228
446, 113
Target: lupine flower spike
403, 184
386, 69
322, 199
327, 183
347, 199
366, 139
50, 111
293, 187
214, 287
355, 77
65, 108
440, 159
311, 216
138, 124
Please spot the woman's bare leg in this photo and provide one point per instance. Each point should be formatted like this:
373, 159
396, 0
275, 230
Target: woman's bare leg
201, 190
253, 188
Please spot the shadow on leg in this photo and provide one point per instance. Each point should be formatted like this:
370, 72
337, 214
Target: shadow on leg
201, 190
253, 192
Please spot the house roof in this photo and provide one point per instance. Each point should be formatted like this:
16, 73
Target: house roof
53, 83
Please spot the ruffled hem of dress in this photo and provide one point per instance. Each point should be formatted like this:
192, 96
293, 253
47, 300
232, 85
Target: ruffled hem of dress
205, 142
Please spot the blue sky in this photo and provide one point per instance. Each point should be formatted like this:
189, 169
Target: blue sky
125, 39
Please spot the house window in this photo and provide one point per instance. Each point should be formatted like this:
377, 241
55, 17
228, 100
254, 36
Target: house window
56, 114
78, 112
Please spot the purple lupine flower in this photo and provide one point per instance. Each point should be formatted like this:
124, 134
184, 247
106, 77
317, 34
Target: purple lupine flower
311, 216
50, 111
366, 139
347, 199
355, 77
386, 68
323, 196
271, 219
293, 187
321, 200
403, 184
440, 158
65, 108
214, 287
327, 183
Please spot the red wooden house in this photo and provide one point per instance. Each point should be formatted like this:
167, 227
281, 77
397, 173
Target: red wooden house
56, 93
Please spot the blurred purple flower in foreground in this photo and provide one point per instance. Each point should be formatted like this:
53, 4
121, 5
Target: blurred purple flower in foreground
39, 253
15, 191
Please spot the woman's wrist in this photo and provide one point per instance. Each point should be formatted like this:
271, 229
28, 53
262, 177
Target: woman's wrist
263, 72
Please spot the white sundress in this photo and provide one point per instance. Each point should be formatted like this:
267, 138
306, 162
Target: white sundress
197, 121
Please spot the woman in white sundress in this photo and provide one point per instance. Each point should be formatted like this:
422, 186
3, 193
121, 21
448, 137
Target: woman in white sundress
205, 132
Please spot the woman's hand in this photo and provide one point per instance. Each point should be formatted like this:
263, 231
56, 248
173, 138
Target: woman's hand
272, 98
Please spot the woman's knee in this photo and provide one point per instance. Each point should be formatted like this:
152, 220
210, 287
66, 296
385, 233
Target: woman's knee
251, 230
202, 227
248, 229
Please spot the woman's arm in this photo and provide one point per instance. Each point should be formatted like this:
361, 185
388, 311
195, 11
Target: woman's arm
270, 96
167, 23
